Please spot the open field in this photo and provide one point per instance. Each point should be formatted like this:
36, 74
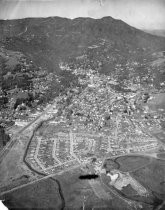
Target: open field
149, 200
131, 163
42, 195
130, 193
152, 176
161, 155
74, 189
126, 163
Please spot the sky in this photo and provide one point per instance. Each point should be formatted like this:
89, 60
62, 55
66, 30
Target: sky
143, 14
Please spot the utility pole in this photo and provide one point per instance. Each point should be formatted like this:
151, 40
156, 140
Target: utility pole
84, 200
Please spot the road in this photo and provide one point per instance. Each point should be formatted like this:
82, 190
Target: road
38, 180
23, 31
39, 119
35, 181
14, 138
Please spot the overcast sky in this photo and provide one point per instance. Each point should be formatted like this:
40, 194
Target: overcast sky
148, 14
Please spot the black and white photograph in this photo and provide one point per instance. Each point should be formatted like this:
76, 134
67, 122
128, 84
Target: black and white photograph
82, 104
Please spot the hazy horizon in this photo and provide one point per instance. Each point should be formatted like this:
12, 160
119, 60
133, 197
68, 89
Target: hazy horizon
146, 14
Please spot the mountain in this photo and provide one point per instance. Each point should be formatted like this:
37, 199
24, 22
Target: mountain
33, 51
83, 91
49, 40
156, 32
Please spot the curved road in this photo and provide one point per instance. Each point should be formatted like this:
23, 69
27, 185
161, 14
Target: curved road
11, 143
43, 174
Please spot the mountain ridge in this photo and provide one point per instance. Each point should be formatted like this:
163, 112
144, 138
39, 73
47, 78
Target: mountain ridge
47, 40
103, 82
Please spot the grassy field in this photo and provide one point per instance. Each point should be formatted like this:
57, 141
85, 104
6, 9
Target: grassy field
75, 190
42, 195
152, 176
161, 155
131, 194
131, 163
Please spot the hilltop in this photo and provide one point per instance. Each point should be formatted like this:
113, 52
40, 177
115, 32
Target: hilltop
49, 40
